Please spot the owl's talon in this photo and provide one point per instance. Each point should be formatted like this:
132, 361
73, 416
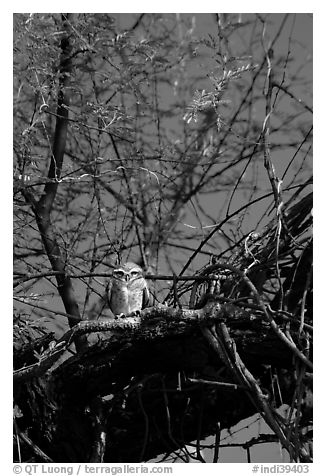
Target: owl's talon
135, 313
120, 316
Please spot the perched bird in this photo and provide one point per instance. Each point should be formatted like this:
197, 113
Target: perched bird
126, 292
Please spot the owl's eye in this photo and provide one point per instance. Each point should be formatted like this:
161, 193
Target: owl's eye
133, 274
119, 274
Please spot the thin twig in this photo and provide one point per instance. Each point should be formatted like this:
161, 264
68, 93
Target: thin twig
146, 432
36, 450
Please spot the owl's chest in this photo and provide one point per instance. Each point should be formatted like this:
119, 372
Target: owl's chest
126, 298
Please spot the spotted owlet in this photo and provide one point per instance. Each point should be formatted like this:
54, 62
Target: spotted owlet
126, 292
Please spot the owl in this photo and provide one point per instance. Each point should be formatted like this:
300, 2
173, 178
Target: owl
126, 292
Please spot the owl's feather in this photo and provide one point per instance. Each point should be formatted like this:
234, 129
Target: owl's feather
126, 292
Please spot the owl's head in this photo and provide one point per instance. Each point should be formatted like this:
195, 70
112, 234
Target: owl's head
128, 272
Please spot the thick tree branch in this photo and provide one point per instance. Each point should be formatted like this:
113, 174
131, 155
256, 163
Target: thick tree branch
42, 209
45, 203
